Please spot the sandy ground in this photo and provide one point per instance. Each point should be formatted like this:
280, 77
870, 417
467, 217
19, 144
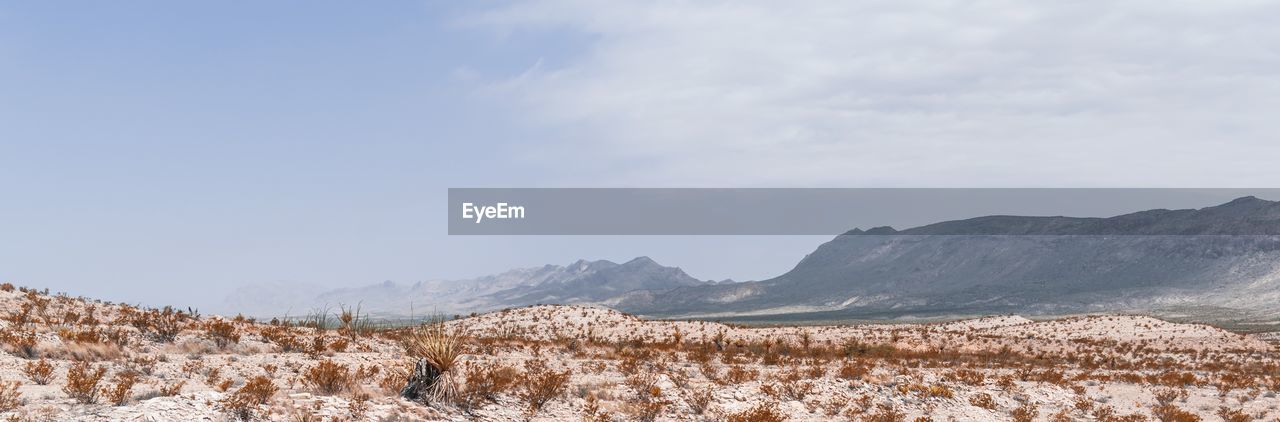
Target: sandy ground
619, 367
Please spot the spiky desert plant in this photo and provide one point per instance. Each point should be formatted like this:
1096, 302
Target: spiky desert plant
434, 349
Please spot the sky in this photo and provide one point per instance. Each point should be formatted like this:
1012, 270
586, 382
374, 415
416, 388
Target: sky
168, 152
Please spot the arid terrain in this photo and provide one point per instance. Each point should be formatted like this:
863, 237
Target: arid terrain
76, 359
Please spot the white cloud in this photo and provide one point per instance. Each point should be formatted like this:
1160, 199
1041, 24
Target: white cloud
899, 93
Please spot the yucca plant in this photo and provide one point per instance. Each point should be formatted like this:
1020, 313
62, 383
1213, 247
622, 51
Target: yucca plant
434, 350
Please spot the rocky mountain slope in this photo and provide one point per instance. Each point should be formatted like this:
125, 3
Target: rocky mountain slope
1222, 258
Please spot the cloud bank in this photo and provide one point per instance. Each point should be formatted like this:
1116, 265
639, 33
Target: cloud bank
900, 93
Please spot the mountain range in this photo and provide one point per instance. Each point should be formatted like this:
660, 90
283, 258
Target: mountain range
1210, 262
580, 282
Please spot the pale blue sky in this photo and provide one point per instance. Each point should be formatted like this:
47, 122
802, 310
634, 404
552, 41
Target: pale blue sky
166, 152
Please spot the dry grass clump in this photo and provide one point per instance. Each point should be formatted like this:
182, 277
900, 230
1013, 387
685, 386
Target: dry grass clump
434, 350
763, 412
82, 382
39, 371
329, 378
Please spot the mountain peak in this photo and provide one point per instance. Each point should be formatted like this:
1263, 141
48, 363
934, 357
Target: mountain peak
641, 260
882, 230
1246, 201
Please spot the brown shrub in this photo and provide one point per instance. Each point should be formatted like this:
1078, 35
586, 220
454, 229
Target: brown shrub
120, 393
328, 378
40, 371
1167, 412
19, 341
223, 333
10, 397
161, 325
1229, 415
852, 371
541, 385
393, 380
172, 389
243, 403
82, 382
484, 383
700, 399
1025, 413
738, 375
763, 412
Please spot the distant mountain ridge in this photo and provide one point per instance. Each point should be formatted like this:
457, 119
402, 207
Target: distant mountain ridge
1220, 260
1242, 216
580, 282
1221, 257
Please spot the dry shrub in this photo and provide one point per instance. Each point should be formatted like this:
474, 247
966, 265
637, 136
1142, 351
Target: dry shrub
243, 403
82, 382
1063, 415
171, 389
1025, 413
700, 399
328, 378
40, 371
285, 337
649, 406
19, 341
887, 413
967, 376
223, 333
983, 400
763, 412
738, 375
484, 383
541, 385
358, 406
434, 349
120, 393
161, 325
1229, 415
10, 397
393, 381
852, 371
793, 386
1167, 412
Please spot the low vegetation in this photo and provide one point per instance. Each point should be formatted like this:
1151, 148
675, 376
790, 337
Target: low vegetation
578, 363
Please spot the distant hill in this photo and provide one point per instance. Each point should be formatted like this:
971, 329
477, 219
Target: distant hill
580, 282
